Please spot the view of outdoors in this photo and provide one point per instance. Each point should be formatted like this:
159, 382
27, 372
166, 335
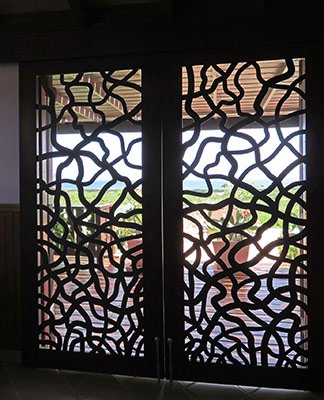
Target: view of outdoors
244, 201
90, 212
244, 215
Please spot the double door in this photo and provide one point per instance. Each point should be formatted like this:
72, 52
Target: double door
163, 219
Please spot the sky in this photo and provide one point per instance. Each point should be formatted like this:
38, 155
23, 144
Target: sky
113, 151
276, 165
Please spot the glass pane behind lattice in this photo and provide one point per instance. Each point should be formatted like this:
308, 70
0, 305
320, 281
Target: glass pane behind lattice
244, 204
89, 188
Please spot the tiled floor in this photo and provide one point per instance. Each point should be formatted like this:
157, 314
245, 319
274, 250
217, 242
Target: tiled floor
18, 383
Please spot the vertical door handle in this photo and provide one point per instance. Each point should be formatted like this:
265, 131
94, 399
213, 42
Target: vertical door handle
157, 347
170, 359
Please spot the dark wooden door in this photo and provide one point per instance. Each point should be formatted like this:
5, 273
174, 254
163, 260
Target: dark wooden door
218, 287
236, 256
91, 220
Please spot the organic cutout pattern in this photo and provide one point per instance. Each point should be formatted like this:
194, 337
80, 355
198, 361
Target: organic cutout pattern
244, 191
89, 207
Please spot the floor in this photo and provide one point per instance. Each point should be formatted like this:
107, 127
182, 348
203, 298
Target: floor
200, 284
18, 383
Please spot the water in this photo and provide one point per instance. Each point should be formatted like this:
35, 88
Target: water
188, 185
95, 186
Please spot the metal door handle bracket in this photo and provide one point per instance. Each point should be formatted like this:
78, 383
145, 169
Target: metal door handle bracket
157, 347
170, 341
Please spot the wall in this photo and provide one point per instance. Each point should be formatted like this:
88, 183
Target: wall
10, 280
9, 129
10, 298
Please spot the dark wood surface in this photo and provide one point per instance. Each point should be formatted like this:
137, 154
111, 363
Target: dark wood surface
10, 279
171, 220
188, 370
263, 267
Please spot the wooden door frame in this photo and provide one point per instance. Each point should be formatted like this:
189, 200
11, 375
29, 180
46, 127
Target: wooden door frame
172, 204
174, 305
152, 253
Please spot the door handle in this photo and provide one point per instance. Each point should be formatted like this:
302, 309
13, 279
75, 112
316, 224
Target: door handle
170, 341
157, 348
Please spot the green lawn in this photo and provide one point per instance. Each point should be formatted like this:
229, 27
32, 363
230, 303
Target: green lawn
113, 195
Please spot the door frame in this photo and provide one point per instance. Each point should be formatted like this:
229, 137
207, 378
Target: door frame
171, 204
297, 378
152, 231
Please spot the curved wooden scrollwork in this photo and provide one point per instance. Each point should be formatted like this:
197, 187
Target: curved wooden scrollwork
244, 197
90, 212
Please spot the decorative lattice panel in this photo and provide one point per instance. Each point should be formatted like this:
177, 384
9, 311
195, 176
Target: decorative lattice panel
89, 200
244, 205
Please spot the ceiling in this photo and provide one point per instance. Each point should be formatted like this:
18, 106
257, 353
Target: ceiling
12, 7
112, 96
34, 30
51, 15
55, 15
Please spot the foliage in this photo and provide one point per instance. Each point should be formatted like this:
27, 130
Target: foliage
64, 224
293, 251
90, 195
218, 195
237, 218
132, 218
59, 228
